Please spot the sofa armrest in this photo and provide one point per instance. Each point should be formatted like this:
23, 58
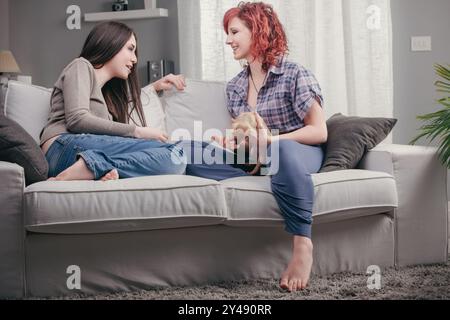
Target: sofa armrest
12, 232
422, 214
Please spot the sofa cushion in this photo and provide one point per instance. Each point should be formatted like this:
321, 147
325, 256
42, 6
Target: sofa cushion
201, 101
349, 138
29, 106
147, 203
153, 109
339, 195
17, 146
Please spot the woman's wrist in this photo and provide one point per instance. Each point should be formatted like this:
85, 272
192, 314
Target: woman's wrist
271, 139
156, 86
279, 137
137, 132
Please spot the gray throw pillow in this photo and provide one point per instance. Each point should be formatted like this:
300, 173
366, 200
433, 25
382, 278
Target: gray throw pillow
17, 146
349, 138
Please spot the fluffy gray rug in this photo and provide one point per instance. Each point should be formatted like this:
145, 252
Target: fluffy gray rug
420, 282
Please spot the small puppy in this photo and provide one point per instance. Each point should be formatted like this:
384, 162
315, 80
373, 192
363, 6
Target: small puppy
243, 126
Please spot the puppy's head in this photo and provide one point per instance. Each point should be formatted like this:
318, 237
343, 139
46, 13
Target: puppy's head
245, 121
243, 126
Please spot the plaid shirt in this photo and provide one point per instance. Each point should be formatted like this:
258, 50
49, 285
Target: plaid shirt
284, 100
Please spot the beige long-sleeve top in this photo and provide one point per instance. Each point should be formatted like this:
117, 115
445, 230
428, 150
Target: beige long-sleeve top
78, 106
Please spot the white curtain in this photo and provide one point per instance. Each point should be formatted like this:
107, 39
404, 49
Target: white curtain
346, 43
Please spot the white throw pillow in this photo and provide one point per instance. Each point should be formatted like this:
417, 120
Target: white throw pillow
153, 109
204, 102
29, 106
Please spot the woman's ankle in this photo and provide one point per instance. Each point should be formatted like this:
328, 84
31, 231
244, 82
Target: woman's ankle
78, 171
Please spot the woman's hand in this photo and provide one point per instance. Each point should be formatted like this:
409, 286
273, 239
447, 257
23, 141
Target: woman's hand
150, 133
168, 81
263, 136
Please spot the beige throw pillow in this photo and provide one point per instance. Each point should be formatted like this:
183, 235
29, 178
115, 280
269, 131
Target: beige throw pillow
153, 109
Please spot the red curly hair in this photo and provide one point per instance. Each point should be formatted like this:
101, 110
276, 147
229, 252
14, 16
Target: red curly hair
269, 40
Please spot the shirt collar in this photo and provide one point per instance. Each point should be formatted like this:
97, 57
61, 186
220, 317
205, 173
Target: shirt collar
241, 84
279, 68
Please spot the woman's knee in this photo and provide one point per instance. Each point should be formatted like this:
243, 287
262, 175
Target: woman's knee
288, 155
178, 161
167, 160
289, 148
298, 158
175, 169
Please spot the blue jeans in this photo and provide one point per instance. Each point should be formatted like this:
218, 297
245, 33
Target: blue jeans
131, 157
292, 185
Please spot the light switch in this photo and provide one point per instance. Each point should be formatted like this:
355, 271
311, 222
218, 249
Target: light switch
421, 43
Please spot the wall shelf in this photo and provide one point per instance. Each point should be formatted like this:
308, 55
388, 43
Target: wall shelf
150, 12
127, 15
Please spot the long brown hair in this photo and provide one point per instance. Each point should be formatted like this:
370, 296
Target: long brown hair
101, 45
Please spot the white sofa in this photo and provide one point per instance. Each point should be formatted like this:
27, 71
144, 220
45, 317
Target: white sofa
179, 230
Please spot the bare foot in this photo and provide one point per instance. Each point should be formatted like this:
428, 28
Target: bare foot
112, 175
78, 171
296, 276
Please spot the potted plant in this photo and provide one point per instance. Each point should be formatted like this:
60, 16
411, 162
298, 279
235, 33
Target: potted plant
438, 123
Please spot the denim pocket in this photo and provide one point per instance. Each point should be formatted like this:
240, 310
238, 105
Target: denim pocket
59, 155
53, 157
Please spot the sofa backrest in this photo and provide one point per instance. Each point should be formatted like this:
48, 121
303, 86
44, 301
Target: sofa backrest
200, 111
202, 103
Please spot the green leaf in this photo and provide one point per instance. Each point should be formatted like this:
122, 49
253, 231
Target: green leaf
437, 124
442, 71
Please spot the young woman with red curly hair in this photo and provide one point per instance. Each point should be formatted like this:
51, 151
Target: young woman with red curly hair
288, 98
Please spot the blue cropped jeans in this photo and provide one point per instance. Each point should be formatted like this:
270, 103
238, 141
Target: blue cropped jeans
131, 157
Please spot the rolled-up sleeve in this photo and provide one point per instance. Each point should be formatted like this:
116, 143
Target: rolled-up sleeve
305, 90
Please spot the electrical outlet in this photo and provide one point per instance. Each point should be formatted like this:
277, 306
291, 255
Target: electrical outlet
421, 43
